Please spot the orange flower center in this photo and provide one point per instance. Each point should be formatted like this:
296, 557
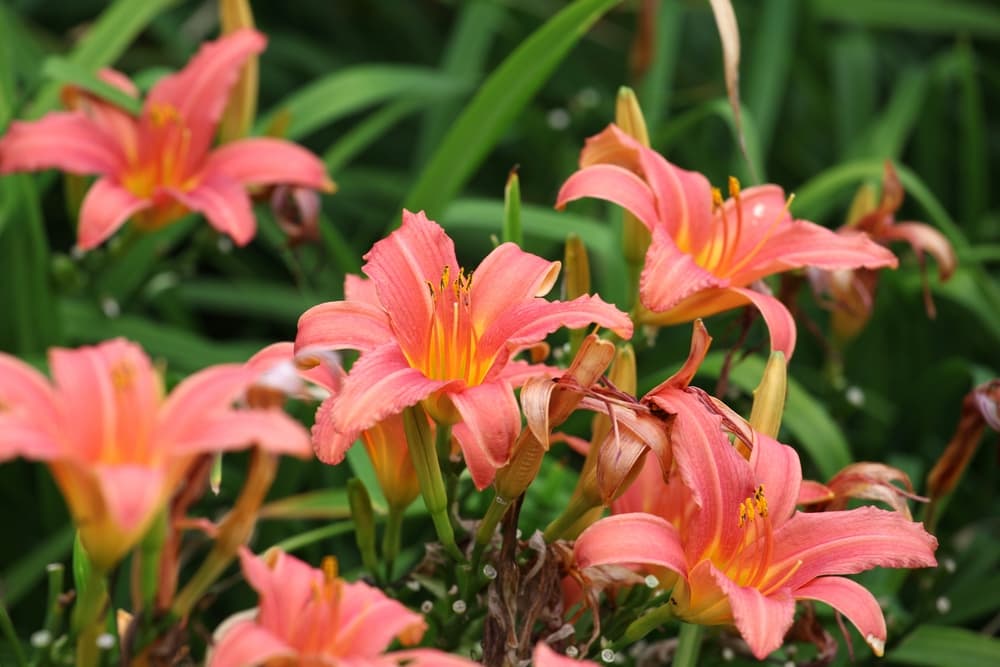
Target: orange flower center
163, 160
453, 340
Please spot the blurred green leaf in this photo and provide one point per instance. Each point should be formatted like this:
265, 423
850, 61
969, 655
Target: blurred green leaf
350, 90
805, 418
259, 299
66, 72
324, 504
104, 41
940, 646
977, 18
21, 576
768, 64
497, 103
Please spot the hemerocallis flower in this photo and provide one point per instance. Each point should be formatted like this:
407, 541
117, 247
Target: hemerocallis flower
742, 552
707, 253
156, 167
430, 333
544, 656
312, 618
116, 446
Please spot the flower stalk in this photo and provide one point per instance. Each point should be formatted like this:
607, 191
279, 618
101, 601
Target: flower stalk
425, 461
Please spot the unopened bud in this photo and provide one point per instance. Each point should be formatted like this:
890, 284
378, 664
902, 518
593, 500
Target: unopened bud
242, 107
769, 396
576, 278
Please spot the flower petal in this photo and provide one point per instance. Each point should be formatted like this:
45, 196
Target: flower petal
265, 161
846, 542
337, 325
286, 586
271, 430
670, 275
614, 184
200, 397
430, 657
132, 493
401, 265
381, 383
853, 601
780, 323
330, 444
631, 538
543, 656
778, 468
490, 423
924, 238
761, 619
27, 405
505, 278
106, 208
368, 621
247, 643
200, 91
65, 140
224, 203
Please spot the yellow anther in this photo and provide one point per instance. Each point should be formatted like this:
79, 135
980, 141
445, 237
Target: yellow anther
163, 114
330, 570
716, 198
734, 187
122, 375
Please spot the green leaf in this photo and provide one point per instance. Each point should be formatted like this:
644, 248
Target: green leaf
769, 62
940, 646
106, 39
355, 88
975, 18
258, 299
66, 72
325, 504
512, 210
804, 417
21, 576
498, 102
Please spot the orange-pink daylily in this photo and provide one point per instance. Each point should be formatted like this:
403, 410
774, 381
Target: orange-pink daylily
156, 167
706, 253
430, 333
311, 618
116, 446
728, 527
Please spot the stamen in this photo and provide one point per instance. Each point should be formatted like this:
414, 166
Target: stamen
764, 237
122, 376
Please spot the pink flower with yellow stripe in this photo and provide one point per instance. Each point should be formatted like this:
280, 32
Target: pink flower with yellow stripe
156, 167
430, 333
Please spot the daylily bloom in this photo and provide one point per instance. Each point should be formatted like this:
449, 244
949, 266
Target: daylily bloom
159, 166
741, 551
863, 480
430, 333
311, 618
853, 291
707, 253
116, 446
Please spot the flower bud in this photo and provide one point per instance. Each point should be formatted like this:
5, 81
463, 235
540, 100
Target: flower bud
242, 107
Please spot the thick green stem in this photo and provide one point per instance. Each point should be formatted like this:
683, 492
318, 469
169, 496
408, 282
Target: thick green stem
428, 469
688, 645
364, 523
645, 624
392, 538
487, 527
89, 618
578, 506
7, 628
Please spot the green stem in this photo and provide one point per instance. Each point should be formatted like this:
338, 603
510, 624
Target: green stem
487, 527
688, 645
392, 538
7, 628
564, 522
150, 552
645, 624
89, 616
428, 469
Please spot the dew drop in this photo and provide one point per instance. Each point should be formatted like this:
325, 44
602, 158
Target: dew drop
651, 581
41, 638
105, 641
607, 655
489, 571
572, 651
458, 606
943, 605
426, 606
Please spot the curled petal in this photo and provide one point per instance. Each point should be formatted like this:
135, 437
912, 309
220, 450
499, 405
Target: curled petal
853, 601
505, 278
338, 325
631, 538
106, 207
613, 184
330, 444
924, 238
780, 323
670, 275
813, 493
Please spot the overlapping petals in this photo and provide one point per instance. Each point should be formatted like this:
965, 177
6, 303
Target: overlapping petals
706, 252
430, 333
116, 446
158, 166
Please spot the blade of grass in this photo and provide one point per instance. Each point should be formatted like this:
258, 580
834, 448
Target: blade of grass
498, 102
65, 72
940, 646
887, 135
655, 90
769, 62
973, 142
22, 575
975, 18
852, 61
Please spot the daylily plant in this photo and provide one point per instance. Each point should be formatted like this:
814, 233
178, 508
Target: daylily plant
728, 527
116, 446
430, 333
156, 167
312, 618
706, 253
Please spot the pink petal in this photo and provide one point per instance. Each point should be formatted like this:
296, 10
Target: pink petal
65, 140
271, 430
25, 436
110, 394
401, 266
846, 542
106, 208
924, 238
777, 467
330, 444
28, 404
700, 342
200, 91
811, 493
614, 184
429, 657
265, 161
381, 383
853, 601
131, 493
247, 643
531, 321
199, 398
543, 656
631, 539
761, 619
286, 586
338, 325
224, 203
491, 420
517, 372
369, 621
360, 290
505, 278
670, 275
780, 323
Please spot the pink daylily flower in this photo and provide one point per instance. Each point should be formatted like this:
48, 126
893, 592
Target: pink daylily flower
158, 166
311, 618
544, 656
116, 446
706, 253
430, 333
728, 527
